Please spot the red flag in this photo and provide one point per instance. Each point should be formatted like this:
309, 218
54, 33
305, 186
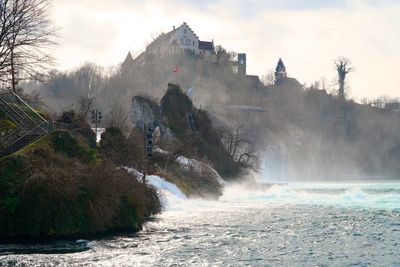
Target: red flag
176, 70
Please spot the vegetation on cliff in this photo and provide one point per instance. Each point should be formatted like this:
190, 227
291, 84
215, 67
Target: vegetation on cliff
194, 179
59, 186
204, 142
182, 156
300, 132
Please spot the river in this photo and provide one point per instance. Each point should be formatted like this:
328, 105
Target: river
295, 224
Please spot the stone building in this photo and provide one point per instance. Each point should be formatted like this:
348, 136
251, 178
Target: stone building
180, 40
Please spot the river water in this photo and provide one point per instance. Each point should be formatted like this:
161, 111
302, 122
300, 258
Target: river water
295, 224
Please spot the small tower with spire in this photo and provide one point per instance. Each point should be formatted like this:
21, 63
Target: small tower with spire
128, 62
280, 72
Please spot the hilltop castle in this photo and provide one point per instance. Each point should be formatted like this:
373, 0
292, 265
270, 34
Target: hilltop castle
179, 40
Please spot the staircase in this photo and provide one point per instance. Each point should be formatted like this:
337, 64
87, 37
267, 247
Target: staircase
12, 114
21, 142
191, 122
31, 126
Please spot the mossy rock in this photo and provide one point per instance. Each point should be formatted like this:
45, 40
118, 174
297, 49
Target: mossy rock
175, 106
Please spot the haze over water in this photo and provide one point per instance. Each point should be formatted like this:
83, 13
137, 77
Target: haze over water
296, 224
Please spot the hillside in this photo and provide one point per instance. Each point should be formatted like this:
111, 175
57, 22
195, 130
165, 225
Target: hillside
59, 187
187, 146
300, 133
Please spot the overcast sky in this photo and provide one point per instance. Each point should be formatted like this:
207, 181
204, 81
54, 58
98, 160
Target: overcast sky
307, 34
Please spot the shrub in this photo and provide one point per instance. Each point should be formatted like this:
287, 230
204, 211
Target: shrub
53, 189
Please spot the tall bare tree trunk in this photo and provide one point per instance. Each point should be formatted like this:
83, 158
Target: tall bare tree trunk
343, 68
13, 80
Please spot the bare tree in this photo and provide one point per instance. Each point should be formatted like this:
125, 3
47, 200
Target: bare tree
25, 39
323, 82
88, 79
343, 67
85, 104
222, 55
117, 117
35, 99
269, 78
239, 147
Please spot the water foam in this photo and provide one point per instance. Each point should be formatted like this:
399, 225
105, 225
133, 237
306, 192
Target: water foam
352, 195
382, 195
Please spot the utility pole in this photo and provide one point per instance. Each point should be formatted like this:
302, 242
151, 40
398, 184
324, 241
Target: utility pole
148, 140
97, 116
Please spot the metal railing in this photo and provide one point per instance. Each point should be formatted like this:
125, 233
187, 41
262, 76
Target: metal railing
16, 109
13, 147
29, 117
44, 128
27, 105
40, 125
10, 111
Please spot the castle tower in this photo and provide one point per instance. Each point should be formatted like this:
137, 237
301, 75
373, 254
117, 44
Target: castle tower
128, 62
242, 63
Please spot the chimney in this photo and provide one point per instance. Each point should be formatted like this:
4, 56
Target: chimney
173, 27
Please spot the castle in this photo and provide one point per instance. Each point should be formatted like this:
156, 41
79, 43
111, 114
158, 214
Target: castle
183, 40
179, 40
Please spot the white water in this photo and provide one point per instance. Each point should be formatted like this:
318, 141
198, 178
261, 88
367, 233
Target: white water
199, 167
382, 195
171, 195
296, 224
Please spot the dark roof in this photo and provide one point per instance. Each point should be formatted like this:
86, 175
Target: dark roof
128, 60
253, 78
317, 92
206, 45
254, 81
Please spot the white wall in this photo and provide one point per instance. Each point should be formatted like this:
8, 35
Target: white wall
186, 38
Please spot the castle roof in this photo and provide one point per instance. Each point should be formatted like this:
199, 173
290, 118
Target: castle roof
183, 25
128, 60
203, 45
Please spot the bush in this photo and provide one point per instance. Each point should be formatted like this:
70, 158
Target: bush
121, 150
52, 189
79, 126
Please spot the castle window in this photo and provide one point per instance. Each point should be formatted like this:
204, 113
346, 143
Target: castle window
182, 42
184, 31
188, 42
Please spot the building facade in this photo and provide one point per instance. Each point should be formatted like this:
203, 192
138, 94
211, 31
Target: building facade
185, 38
180, 40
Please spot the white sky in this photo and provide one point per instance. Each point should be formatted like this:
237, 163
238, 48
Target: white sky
307, 34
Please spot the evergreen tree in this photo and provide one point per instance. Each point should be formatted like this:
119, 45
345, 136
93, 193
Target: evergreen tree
280, 72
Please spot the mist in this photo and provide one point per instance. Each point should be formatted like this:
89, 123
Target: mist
297, 132
216, 133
